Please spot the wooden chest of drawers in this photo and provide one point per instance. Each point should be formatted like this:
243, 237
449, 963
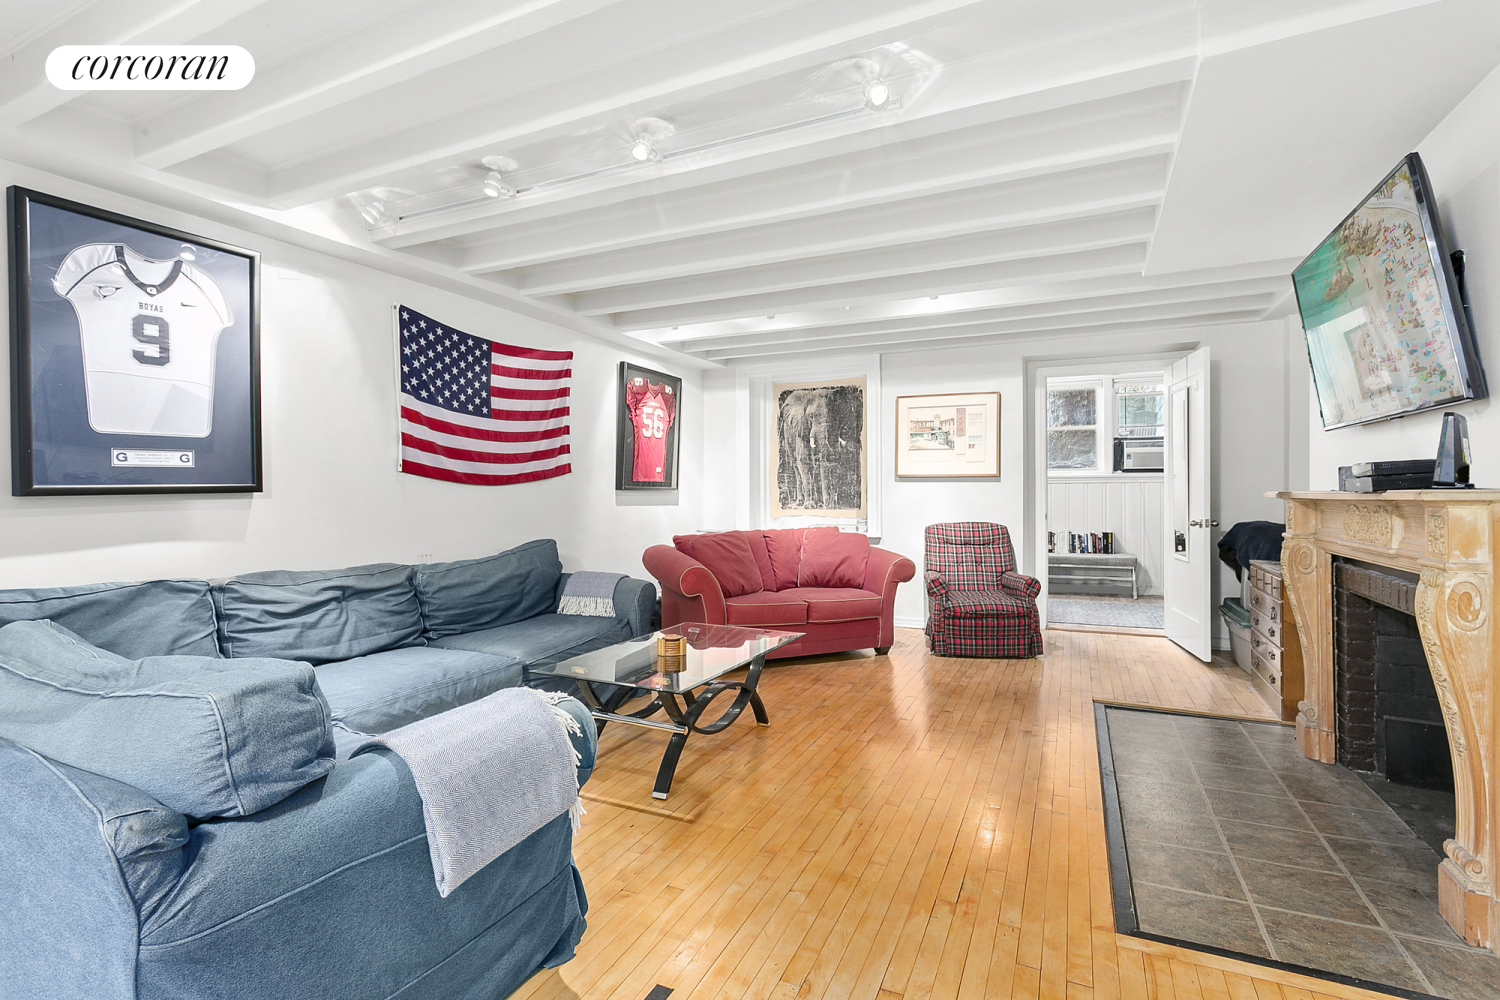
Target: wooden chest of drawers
1275, 650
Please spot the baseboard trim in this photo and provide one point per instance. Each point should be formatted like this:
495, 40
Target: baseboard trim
909, 622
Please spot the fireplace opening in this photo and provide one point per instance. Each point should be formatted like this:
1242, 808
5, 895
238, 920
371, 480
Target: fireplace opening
1389, 723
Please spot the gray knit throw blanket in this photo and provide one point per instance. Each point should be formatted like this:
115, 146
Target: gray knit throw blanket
590, 594
490, 773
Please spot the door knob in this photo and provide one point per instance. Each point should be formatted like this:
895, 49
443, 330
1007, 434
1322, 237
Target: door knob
1206, 523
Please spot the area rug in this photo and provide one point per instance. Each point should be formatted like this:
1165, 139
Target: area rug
1116, 613
1224, 838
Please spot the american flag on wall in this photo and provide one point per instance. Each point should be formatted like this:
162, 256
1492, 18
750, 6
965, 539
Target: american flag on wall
479, 412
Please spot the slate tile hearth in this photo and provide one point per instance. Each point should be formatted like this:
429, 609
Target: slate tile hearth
1236, 841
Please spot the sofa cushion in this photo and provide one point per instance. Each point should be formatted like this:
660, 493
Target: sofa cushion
784, 548
154, 618
543, 640
204, 736
474, 594
727, 556
386, 690
319, 615
758, 551
833, 558
836, 604
988, 604
766, 608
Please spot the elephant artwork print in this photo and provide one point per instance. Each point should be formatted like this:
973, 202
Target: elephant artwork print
818, 457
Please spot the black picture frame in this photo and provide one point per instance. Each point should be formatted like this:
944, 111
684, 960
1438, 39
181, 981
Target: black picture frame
83, 421
626, 467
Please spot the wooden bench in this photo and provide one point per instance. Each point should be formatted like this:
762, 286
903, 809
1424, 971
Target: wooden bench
1115, 569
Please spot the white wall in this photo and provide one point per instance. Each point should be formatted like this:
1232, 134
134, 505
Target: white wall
333, 496
1130, 505
1462, 156
1259, 426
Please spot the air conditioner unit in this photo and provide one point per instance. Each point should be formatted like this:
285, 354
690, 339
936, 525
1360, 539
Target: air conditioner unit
1140, 454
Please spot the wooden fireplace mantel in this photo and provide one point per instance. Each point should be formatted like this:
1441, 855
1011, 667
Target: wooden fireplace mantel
1448, 538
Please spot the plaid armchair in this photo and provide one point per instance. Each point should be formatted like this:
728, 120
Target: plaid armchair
977, 604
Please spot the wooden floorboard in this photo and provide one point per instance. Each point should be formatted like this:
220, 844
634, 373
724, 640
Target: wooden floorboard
908, 827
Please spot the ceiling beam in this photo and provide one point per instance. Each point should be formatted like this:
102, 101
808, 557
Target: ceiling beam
26, 94
898, 262
1246, 294
1128, 259
1233, 280
966, 109
1200, 317
405, 45
622, 75
1052, 198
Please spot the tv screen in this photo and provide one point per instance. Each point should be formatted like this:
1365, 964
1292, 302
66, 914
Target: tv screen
1380, 305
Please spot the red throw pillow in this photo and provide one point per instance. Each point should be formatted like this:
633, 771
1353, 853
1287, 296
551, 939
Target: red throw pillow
784, 548
727, 556
833, 558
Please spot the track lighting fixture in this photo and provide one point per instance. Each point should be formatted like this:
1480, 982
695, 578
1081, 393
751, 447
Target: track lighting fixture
642, 149
495, 186
877, 93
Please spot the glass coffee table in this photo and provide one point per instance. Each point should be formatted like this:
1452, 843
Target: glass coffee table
631, 667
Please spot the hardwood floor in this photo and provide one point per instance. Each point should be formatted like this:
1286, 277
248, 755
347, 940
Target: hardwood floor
907, 827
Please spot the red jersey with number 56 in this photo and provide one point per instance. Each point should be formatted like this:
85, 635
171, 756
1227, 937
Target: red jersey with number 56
652, 409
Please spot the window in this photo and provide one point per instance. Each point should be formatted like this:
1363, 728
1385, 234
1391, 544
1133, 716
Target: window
1140, 409
1072, 427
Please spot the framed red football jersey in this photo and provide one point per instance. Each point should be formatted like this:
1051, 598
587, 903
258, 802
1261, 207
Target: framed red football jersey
647, 430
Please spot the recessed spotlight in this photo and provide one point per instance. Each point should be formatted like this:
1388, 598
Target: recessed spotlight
495, 186
187, 252
642, 149
877, 93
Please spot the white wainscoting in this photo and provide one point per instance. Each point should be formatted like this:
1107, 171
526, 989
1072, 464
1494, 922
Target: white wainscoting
1128, 505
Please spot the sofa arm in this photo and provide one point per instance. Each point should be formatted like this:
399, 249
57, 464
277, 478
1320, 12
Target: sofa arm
305, 898
689, 592
937, 587
68, 926
635, 601
1020, 585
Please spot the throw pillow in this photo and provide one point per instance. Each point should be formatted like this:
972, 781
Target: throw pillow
784, 548
727, 556
474, 594
833, 558
203, 736
319, 615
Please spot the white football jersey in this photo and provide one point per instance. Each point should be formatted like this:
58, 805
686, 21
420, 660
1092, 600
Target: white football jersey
150, 332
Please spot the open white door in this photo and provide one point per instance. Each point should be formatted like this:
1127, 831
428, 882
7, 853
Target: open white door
1189, 561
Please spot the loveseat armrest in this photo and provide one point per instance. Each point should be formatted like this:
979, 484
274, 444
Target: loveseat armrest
690, 592
1020, 585
885, 569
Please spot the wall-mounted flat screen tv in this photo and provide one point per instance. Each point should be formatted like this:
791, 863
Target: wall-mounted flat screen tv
1380, 303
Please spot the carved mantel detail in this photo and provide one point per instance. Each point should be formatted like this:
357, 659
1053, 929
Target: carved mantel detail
1447, 538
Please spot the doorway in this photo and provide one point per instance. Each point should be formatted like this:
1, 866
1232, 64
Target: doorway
1103, 507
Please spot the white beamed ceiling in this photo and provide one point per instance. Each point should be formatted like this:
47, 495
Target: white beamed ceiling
1047, 168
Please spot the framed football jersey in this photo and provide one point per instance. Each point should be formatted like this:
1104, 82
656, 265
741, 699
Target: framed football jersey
135, 353
647, 429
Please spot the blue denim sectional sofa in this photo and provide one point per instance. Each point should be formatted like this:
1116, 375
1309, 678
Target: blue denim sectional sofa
108, 894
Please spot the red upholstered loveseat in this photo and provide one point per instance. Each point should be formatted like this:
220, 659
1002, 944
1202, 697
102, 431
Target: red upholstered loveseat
832, 585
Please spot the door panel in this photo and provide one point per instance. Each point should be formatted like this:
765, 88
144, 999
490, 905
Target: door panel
1188, 578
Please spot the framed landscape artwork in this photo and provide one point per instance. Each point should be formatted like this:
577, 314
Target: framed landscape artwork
948, 435
818, 453
646, 434
134, 355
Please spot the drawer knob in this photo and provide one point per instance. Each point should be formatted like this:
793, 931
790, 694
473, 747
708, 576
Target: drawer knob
1273, 678
1271, 632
